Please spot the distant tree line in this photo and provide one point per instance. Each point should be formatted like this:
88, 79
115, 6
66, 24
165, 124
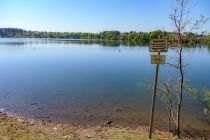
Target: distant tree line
105, 35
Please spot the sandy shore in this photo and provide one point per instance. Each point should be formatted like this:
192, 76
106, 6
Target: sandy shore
13, 127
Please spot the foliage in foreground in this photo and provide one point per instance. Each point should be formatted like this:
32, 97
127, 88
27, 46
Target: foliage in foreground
203, 96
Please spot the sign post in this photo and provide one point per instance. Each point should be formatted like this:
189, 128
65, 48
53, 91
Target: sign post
156, 45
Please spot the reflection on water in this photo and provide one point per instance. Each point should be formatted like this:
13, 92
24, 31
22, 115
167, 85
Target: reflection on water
86, 82
25, 41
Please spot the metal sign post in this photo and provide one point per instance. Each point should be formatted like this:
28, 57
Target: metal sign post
156, 45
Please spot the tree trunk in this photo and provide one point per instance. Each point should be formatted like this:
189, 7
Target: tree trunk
170, 115
181, 93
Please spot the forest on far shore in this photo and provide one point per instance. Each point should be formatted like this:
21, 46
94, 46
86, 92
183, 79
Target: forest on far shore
131, 36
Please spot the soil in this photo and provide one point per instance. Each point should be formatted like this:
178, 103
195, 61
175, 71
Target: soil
14, 127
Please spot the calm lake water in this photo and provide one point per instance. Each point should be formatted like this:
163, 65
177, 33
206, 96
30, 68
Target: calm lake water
89, 83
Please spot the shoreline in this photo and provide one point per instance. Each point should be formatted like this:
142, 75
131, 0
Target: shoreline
35, 129
23, 128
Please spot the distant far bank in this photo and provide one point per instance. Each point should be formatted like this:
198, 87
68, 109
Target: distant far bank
131, 36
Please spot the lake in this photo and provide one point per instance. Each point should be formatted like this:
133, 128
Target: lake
87, 83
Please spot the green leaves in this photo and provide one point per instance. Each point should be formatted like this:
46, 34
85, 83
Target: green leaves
202, 95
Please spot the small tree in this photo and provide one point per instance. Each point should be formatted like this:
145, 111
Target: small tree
171, 98
203, 96
167, 99
182, 23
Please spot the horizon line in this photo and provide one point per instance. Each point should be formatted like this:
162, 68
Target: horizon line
200, 32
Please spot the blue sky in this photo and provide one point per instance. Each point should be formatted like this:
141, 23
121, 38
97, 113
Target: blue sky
93, 15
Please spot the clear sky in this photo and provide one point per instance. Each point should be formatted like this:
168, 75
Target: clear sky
93, 15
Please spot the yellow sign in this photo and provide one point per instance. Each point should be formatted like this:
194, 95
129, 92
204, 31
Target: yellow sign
158, 59
158, 45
